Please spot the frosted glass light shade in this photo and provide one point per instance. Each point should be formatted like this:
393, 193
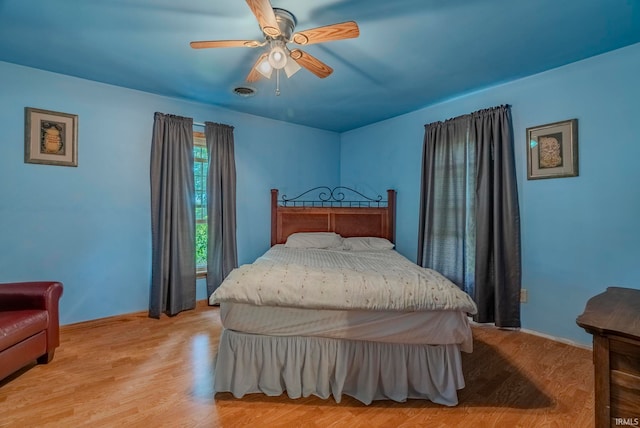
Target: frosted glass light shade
265, 69
277, 57
291, 67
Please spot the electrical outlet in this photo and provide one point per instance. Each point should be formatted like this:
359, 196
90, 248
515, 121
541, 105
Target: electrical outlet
524, 295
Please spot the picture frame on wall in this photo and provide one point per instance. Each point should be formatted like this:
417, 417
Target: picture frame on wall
50, 137
552, 150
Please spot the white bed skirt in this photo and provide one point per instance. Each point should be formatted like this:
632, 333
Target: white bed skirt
367, 371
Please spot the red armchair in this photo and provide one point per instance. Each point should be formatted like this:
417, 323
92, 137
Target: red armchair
29, 324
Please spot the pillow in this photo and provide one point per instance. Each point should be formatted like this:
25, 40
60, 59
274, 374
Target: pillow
314, 240
368, 243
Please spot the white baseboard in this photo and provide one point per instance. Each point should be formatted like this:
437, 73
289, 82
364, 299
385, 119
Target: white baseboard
537, 333
558, 339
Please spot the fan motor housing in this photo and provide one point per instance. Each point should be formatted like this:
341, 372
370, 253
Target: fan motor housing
286, 22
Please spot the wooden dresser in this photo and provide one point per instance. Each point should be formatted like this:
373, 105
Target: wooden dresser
613, 318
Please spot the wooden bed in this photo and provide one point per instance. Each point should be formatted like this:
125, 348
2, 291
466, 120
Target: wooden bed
349, 218
370, 355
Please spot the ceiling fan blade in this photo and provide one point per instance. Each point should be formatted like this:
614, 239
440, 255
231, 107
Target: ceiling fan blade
343, 30
226, 44
254, 74
311, 63
266, 17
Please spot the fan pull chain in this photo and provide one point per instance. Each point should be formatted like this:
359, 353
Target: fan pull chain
277, 82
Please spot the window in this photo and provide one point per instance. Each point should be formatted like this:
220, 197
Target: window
449, 244
200, 168
455, 229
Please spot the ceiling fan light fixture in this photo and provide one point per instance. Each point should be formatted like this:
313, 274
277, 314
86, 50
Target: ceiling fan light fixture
278, 57
265, 68
291, 67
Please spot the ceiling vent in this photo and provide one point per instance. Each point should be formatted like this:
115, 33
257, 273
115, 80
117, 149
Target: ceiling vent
244, 91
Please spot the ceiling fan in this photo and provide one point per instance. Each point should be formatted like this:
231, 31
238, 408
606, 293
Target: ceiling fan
278, 27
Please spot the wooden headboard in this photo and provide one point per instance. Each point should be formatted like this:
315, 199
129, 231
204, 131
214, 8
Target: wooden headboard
332, 212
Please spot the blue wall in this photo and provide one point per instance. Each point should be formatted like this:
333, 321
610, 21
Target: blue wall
579, 235
89, 226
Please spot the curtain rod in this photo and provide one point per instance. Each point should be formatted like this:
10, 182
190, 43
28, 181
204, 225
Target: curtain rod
198, 124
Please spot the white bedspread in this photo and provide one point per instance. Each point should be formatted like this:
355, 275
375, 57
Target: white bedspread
333, 279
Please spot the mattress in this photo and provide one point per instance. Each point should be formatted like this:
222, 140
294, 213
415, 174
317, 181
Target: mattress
432, 328
380, 280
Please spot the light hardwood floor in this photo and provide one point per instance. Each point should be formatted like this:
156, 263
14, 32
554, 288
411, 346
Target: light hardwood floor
132, 371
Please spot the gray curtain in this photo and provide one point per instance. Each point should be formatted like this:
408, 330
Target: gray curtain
469, 226
446, 239
222, 256
173, 270
498, 262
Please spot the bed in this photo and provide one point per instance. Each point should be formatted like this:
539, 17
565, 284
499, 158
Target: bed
331, 309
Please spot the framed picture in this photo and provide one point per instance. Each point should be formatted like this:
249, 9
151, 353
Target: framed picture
552, 150
50, 137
